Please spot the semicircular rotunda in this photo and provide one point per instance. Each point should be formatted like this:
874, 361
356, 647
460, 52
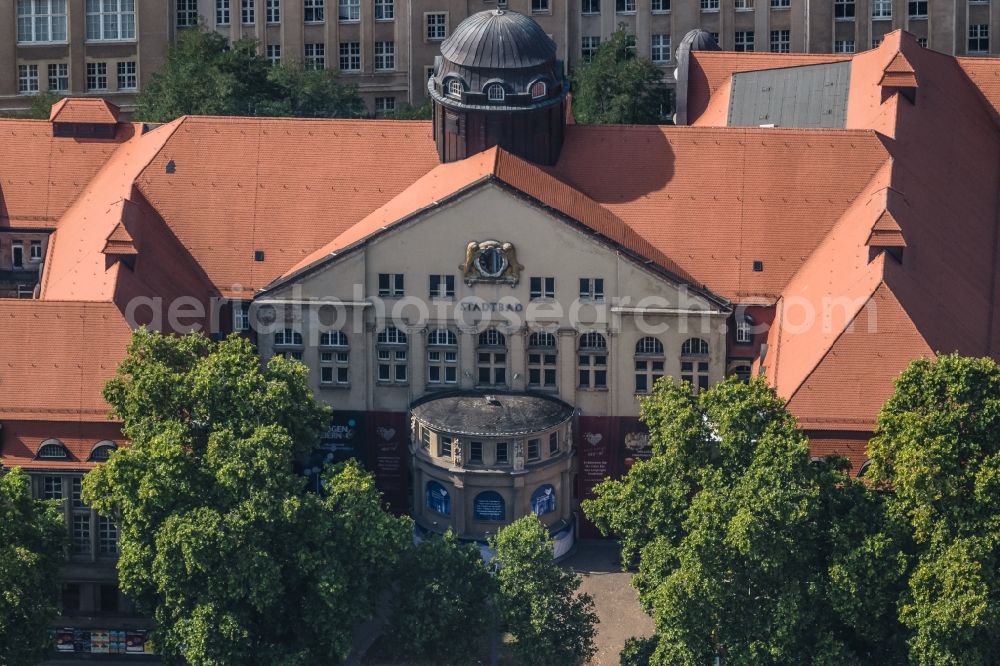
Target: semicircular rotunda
497, 82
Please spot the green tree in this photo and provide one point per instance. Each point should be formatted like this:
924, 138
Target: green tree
619, 87
32, 550
746, 549
41, 106
936, 452
217, 535
552, 624
407, 111
441, 609
204, 75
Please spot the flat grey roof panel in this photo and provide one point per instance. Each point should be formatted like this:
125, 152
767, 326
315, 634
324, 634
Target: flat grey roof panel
808, 96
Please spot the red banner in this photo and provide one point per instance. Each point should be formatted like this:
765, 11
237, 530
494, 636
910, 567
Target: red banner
388, 457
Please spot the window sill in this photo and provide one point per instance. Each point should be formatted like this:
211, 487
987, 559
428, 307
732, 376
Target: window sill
27, 93
313, 22
541, 12
387, 71
332, 385
349, 21
387, 384
844, 19
58, 43
744, 10
709, 11
384, 20
881, 18
590, 13
631, 13
130, 40
661, 63
593, 390
659, 12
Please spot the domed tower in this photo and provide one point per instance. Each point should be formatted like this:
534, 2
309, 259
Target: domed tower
497, 83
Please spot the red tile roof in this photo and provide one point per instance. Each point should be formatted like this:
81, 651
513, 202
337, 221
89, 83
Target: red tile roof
84, 110
22, 439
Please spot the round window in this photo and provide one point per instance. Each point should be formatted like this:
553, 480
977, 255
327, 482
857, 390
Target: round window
491, 262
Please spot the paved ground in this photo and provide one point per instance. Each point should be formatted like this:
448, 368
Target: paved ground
615, 599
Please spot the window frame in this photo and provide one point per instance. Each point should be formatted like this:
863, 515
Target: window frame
187, 13
27, 80
590, 7
100, 72
223, 12
493, 357
383, 15
435, 26
917, 4
272, 12
392, 354
387, 57
659, 45
317, 58
697, 359
248, 12
442, 355
592, 361
395, 285
51, 20
543, 361
748, 44
316, 9
350, 53
781, 41
126, 76
624, 6
978, 33
592, 289
349, 8
844, 10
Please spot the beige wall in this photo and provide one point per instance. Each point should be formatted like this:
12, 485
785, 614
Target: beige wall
435, 244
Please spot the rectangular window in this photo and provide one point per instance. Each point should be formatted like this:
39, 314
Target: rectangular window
187, 13
593, 371
881, 9
221, 12
390, 284
97, 76
744, 334
660, 48
384, 106
41, 21
917, 8
589, 47
627, 6
333, 367
476, 452
441, 286
27, 79
743, 40
843, 10
592, 288
922, 41
542, 368
350, 10
315, 56
539, 6
81, 533
350, 56
36, 251
248, 12
273, 54
127, 79
660, 6
744, 5
979, 38
781, 4
107, 536
591, 6
843, 46
17, 254
425, 438
52, 488
110, 20
392, 365
444, 446
542, 287
385, 56
58, 77
442, 366
385, 10
709, 5
76, 492
436, 26
534, 449
553, 443
781, 41
313, 11
272, 11
501, 453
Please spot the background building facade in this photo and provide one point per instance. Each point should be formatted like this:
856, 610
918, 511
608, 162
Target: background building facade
111, 47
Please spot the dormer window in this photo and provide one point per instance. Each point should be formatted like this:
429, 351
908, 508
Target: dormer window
538, 90
52, 449
494, 92
455, 89
102, 451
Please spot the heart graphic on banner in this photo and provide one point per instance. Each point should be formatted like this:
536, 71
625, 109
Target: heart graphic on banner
593, 438
387, 433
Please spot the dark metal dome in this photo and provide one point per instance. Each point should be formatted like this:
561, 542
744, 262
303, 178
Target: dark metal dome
700, 40
499, 39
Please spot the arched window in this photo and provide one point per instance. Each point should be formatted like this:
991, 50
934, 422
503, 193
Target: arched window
542, 369
335, 360
437, 498
593, 361
648, 363
489, 507
455, 88
543, 500
391, 352
491, 358
102, 451
52, 449
495, 92
864, 468
442, 357
537, 90
288, 343
694, 363
742, 371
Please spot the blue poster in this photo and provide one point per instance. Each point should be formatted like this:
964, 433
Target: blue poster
489, 506
543, 500
438, 498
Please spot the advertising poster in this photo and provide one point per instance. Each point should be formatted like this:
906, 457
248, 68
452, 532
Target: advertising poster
388, 456
63, 638
100, 641
135, 641
343, 439
543, 500
81, 640
489, 506
596, 447
635, 444
117, 637
438, 498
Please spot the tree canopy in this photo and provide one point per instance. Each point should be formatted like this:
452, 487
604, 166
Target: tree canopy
619, 87
32, 547
747, 549
204, 75
936, 453
218, 536
551, 622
